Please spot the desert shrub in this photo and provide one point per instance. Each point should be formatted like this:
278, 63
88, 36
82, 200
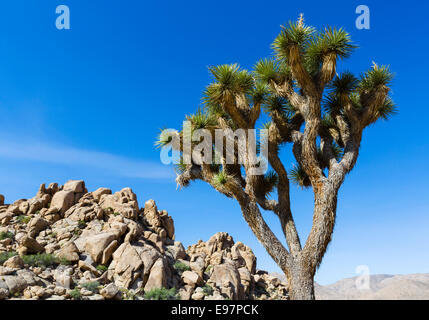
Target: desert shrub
207, 290
128, 295
6, 235
82, 224
101, 268
181, 267
75, 294
4, 256
162, 294
41, 260
91, 286
24, 219
208, 269
64, 261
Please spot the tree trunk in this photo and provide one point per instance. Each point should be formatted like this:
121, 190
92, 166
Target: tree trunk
301, 284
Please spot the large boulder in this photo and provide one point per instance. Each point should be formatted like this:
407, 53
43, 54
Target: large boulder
123, 202
158, 276
70, 194
219, 242
62, 201
69, 252
97, 194
159, 221
6, 216
15, 284
243, 256
192, 278
131, 262
4, 293
31, 245
50, 190
14, 262
110, 291
96, 244
227, 277
77, 186
85, 210
36, 225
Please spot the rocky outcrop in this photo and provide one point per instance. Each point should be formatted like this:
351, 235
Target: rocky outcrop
68, 243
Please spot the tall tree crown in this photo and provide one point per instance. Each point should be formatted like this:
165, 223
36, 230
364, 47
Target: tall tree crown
300, 82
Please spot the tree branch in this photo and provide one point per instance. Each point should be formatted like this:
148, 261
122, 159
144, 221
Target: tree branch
283, 210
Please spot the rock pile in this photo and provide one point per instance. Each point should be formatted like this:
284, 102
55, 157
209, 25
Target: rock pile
68, 243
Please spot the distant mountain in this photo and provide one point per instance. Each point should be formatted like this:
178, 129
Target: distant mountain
382, 287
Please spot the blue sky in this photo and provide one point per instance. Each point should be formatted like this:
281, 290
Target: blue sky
86, 103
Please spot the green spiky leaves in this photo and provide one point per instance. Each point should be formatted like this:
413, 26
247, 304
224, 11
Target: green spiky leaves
259, 92
298, 176
220, 180
280, 105
344, 84
332, 40
180, 166
341, 88
267, 70
346, 88
375, 77
164, 137
202, 120
387, 109
229, 80
271, 181
295, 34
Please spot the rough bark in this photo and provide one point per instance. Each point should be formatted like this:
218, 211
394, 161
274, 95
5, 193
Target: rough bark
301, 283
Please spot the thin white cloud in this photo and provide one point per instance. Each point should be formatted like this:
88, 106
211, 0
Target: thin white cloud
113, 164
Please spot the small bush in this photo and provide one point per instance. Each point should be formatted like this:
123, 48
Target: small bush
128, 295
162, 294
77, 232
181, 267
101, 268
41, 260
64, 261
4, 256
208, 269
91, 286
75, 294
207, 290
6, 235
81, 224
24, 219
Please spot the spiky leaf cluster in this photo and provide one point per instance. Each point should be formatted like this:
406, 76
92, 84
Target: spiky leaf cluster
295, 34
298, 176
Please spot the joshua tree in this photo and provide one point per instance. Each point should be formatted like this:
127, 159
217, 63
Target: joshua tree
320, 112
